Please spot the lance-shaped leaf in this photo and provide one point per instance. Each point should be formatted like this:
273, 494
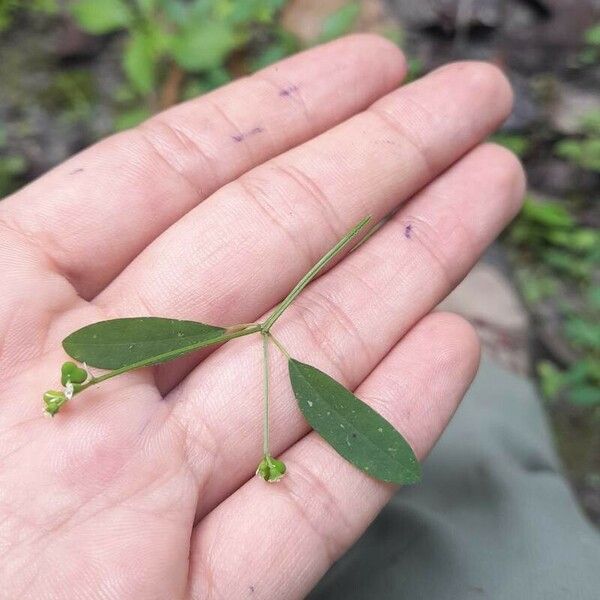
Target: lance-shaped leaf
139, 342
357, 432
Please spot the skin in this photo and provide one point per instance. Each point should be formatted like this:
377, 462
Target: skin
143, 486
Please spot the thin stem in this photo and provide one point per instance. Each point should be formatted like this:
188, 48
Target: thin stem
266, 441
312, 273
169, 355
241, 327
279, 345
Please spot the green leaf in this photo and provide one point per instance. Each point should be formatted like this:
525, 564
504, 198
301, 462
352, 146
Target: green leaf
592, 35
148, 6
567, 263
590, 122
249, 12
206, 82
548, 213
551, 379
340, 22
101, 16
516, 143
352, 428
593, 297
131, 118
176, 12
569, 149
203, 46
585, 395
139, 342
139, 62
283, 44
583, 333
584, 153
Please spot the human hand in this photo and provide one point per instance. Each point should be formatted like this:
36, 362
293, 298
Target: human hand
143, 487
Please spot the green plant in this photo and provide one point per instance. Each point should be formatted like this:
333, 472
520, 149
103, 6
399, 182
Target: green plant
583, 150
580, 383
546, 234
351, 427
591, 52
585, 153
174, 45
9, 8
515, 142
11, 166
340, 22
70, 94
556, 256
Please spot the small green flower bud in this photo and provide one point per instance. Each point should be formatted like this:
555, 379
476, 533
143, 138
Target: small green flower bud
53, 401
70, 372
271, 469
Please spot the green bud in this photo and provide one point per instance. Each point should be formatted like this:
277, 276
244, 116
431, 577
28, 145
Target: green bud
271, 469
70, 372
53, 401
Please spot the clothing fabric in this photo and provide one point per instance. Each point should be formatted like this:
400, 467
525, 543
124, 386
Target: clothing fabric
493, 518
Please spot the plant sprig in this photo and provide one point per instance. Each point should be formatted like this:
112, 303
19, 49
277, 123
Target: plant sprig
352, 428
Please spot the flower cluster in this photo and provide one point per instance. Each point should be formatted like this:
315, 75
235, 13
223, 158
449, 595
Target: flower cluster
71, 377
271, 469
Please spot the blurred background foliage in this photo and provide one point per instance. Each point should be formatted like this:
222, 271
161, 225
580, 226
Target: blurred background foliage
74, 71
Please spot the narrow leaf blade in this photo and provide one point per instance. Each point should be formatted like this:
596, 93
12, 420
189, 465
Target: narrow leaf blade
142, 341
357, 432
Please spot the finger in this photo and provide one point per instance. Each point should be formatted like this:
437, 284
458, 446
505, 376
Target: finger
323, 504
346, 321
237, 254
98, 210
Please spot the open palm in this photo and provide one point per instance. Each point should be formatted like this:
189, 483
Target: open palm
143, 486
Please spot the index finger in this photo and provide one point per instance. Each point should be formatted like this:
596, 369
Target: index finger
94, 213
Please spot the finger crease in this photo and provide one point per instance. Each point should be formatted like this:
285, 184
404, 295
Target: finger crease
314, 192
145, 133
261, 202
344, 322
431, 168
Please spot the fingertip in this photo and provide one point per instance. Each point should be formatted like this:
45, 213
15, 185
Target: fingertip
507, 166
381, 52
459, 346
483, 78
496, 168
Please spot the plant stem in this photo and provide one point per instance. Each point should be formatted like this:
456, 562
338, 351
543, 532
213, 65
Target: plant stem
245, 329
168, 355
266, 441
279, 345
312, 273
171, 89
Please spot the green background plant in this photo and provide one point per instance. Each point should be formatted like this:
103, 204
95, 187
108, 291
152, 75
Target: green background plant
583, 149
191, 42
555, 252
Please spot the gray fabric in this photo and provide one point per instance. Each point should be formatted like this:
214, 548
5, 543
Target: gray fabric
492, 519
